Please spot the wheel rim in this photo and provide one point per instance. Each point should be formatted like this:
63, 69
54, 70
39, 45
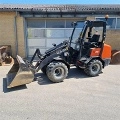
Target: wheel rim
58, 72
95, 68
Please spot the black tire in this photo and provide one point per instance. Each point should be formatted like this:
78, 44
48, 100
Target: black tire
93, 68
44, 69
57, 71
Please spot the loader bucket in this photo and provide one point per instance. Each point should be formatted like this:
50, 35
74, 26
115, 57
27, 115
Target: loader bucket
19, 74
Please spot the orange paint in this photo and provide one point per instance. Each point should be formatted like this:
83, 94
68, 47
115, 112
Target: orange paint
106, 53
95, 52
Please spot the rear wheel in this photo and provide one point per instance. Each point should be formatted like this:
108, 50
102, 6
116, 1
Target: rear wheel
57, 71
93, 68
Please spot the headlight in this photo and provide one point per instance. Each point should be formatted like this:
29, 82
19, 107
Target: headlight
66, 53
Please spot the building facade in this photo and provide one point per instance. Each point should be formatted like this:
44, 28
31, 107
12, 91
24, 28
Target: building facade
27, 27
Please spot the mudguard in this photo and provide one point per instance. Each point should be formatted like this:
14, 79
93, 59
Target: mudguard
51, 58
91, 58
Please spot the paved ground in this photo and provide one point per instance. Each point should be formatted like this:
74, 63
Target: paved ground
77, 98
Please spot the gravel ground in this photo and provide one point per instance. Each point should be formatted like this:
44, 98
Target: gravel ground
79, 97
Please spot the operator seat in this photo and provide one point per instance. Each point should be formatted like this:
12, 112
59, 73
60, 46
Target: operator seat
95, 38
92, 43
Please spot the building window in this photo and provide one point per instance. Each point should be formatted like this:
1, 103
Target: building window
55, 24
118, 23
54, 33
52, 28
111, 22
68, 24
41, 33
36, 23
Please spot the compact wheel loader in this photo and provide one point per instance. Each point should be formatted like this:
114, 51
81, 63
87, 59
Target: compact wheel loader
88, 52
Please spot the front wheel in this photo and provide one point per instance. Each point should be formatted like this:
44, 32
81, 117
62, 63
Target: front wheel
57, 71
93, 68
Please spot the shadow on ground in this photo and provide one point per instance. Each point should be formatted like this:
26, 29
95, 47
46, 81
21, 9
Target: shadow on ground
42, 79
73, 73
6, 90
76, 73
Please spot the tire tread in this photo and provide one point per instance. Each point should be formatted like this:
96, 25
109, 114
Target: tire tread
50, 68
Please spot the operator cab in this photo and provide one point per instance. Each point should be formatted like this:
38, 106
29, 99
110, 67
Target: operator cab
95, 33
91, 36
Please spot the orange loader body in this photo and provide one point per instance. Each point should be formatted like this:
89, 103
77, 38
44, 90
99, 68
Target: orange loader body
105, 52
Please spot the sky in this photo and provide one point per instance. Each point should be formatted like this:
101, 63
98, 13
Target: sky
59, 1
